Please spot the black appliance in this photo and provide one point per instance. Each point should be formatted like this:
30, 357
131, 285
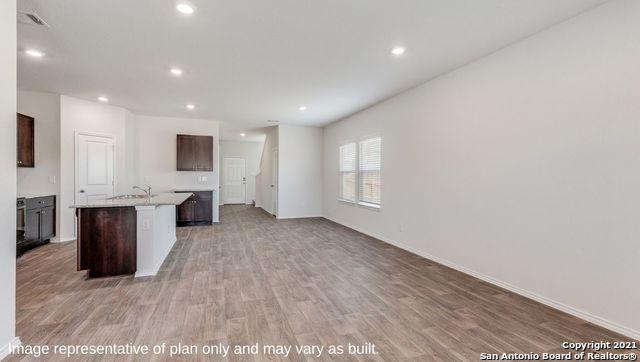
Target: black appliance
21, 215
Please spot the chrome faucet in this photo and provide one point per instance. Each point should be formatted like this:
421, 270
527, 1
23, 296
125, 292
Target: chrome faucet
147, 191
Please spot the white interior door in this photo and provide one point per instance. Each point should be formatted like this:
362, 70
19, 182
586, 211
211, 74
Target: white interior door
274, 183
94, 168
234, 184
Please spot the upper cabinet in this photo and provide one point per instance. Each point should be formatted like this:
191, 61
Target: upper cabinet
25, 142
195, 153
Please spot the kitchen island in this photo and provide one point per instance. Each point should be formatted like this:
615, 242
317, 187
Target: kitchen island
120, 236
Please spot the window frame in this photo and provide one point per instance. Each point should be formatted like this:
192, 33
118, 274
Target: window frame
355, 170
358, 202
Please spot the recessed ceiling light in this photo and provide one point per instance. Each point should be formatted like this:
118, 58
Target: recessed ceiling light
398, 51
191, 107
176, 71
103, 99
34, 53
302, 108
242, 134
185, 8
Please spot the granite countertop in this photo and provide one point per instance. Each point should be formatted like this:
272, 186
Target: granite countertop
34, 195
183, 189
159, 199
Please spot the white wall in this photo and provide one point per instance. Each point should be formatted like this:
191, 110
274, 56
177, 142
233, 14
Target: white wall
251, 152
521, 167
8, 179
300, 161
155, 154
81, 115
44, 178
265, 178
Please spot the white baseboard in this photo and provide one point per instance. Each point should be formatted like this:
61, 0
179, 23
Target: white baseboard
63, 240
265, 210
602, 322
298, 217
6, 349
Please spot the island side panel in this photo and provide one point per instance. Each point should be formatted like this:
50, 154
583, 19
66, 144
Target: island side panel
82, 253
107, 238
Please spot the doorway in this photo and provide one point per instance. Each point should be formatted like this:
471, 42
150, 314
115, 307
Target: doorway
94, 171
234, 183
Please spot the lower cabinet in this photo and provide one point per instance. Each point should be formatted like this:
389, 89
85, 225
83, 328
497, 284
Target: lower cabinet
196, 210
39, 222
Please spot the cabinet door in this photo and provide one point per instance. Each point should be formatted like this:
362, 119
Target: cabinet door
204, 153
203, 209
47, 223
32, 225
186, 211
25, 142
186, 150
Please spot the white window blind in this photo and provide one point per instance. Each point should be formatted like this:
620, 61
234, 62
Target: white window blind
348, 172
369, 175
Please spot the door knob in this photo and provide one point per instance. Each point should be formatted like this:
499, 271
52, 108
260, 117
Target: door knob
81, 191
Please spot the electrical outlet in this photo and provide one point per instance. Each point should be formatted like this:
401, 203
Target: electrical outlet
146, 225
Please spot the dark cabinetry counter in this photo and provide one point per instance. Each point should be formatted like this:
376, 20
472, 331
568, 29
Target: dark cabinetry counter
39, 222
25, 142
196, 210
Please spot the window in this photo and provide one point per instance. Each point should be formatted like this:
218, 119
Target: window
369, 171
360, 172
348, 172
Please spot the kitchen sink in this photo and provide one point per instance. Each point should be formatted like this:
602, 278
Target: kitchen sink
128, 197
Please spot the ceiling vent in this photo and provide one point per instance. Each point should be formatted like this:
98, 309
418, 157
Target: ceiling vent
31, 19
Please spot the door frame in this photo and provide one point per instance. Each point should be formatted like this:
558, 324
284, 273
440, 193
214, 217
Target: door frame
244, 202
275, 181
76, 159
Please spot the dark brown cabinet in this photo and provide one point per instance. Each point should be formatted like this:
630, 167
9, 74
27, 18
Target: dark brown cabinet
107, 241
195, 153
25, 141
196, 210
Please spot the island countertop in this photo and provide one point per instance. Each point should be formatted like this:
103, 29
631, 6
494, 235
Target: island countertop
159, 199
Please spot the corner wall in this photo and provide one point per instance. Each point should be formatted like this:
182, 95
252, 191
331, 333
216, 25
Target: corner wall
8, 178
300, 162
265, 178
520, 168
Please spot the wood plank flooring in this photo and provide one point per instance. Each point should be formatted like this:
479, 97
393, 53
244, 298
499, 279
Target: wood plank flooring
309, 281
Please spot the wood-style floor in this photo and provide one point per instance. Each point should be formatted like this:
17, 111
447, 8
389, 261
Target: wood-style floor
254, 279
